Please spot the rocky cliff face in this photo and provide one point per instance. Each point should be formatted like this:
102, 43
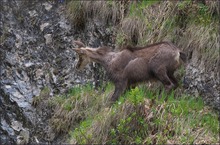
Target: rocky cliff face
36, 53
202, 80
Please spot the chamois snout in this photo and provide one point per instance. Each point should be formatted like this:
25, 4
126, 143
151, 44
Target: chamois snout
83, 59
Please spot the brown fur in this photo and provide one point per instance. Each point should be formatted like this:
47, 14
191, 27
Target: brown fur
132, 48
133, 65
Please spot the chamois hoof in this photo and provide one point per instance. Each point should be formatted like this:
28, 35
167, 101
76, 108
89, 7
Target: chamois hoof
170, 88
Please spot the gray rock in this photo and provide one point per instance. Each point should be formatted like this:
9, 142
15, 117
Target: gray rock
18, 42
23, 137
47, 6
33, 13
16, 125
48, 38
42, 26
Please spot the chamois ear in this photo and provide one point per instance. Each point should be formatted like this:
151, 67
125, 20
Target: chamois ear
79, 43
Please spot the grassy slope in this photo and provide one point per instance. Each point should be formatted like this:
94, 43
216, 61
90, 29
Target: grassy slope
139, 116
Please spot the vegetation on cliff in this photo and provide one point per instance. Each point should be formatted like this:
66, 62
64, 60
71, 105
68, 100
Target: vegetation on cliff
140, 116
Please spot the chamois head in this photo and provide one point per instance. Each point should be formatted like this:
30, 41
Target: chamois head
87, 54
83, 58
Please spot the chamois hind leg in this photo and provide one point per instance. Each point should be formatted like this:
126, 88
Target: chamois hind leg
120, 88
161, 74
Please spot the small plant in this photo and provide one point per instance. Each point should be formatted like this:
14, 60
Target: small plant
44, 94
68, 106
79, 133
136, 96
75, 91
120, 39
184, 5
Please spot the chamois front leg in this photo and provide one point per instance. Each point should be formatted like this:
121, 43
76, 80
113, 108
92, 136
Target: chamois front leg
161, 75
173, 79
120, 88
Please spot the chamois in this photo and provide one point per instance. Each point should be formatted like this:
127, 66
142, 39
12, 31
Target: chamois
133, 65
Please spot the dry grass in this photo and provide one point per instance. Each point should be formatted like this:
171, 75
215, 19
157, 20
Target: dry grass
98, 131
146, 25
204, 40
76, 14
102, 10
108, 12
70, 110
148, 121
134, 29
213, 6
